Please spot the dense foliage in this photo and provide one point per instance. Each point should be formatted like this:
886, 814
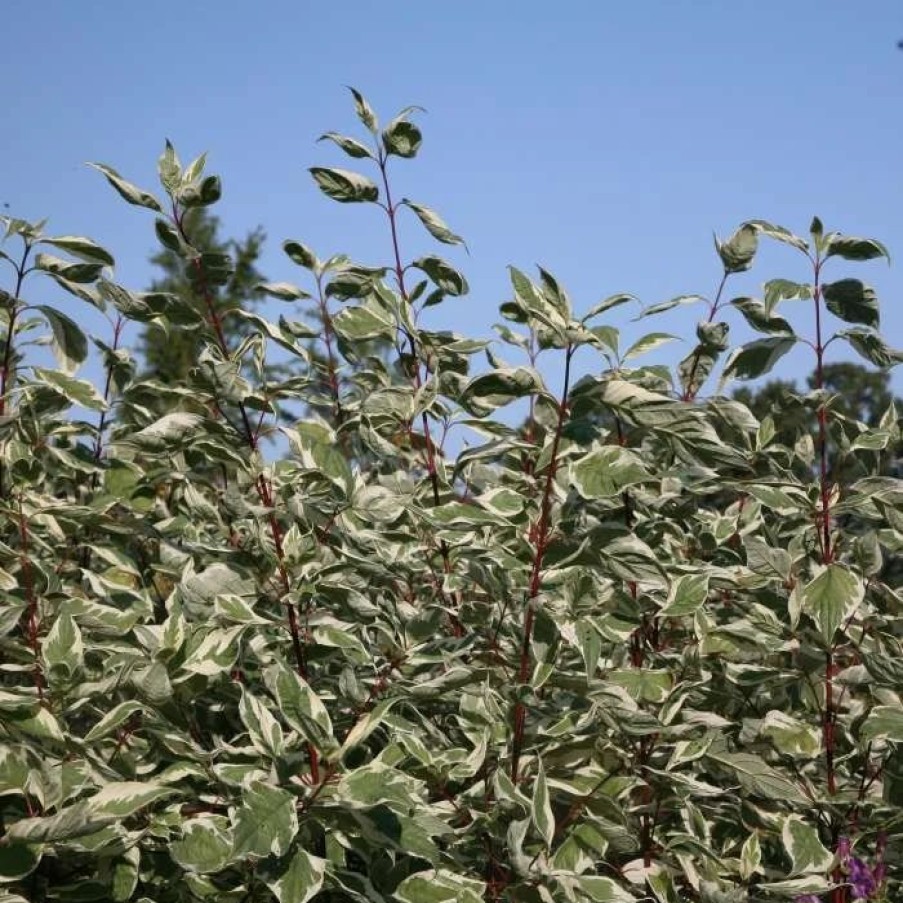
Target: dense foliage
637, 648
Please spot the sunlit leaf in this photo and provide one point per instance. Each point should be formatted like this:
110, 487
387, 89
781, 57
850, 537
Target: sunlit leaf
364, 111
872, 347
850, 248
77, 391
832, 597
351, 146
607, 471
543, 818
443, 274
757, 358
344, 186
301, 879
70, 345
83, 248
738, 251
401, 138
803, 846
852, 301
266, 822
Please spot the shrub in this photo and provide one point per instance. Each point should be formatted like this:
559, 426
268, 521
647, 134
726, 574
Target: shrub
631, 649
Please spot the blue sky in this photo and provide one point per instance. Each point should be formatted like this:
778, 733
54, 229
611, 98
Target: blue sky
605, 141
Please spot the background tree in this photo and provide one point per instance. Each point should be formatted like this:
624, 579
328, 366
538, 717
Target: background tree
860, 394
170, 353
857, 395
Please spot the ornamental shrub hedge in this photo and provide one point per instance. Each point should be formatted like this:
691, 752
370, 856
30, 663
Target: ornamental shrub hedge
420, 650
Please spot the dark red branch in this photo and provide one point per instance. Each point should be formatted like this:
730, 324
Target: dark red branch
692, 389
107, 388
14, 310
430, 448
823, 525
541, 534
331, 360
6, 365
32, 618
262, 485
824, 483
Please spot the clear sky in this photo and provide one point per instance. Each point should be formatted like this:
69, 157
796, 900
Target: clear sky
603, 140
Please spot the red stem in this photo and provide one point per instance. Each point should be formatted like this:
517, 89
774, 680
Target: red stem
640, 635
328, 337
399, 276
692, 390
541, 541
13, 314
824, 529
824, 486
531, 415
32, 626
262, 485
5, 367
830, 719
101, 426
399, 269
98, 442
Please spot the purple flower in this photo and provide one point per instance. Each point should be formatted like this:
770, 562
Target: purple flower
862, 878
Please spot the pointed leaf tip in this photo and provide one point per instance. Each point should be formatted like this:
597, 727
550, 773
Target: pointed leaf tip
129, 192
434, 224
364, 111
